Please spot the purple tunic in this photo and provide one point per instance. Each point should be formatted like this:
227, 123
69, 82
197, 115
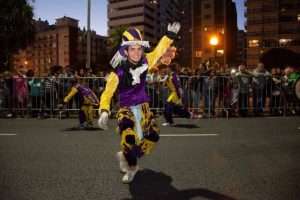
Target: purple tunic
135, 95
87, 93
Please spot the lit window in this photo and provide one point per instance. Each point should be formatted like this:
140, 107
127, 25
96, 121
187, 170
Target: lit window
298, 17
220, 52
198, 54
284, 42
220, 30
253, 43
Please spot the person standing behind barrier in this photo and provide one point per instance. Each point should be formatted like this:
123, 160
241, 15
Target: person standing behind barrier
196, 85
64, 80
184, 79
20, 88
244, 79
8, 94
259, 88
49, 86
35, 85
209, 91
174, 102
275, 93
223, 91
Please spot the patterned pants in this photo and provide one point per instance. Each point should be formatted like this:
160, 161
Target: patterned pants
86, 114
131, 144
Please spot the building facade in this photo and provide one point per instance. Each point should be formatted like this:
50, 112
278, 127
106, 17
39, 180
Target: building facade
151, 17
214, 18
60, 44
271, 24
241, 48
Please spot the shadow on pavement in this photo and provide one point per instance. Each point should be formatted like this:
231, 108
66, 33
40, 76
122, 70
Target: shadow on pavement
190, 126
149, 184
85, 129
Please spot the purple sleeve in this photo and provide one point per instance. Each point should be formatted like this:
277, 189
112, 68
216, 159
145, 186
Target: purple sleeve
176, 83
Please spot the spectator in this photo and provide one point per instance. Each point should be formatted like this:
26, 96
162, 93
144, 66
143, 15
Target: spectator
275, 93
196, 85
244, 82
209, 90
64, 85
212, 64
8, 93
35, 85
20, 89
49, 86
184, 79
234, 99
259, 88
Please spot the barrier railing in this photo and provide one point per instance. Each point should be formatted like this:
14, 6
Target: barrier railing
208, 97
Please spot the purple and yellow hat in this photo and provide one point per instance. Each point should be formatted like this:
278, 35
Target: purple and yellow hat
132, 37
129, 38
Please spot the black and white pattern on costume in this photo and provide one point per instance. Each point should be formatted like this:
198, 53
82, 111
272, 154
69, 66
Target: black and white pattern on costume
136, 73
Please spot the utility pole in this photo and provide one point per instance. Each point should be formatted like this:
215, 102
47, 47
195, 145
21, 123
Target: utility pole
192, 34
88, 50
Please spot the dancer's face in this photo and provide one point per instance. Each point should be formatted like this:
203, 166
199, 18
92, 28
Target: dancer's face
134, 53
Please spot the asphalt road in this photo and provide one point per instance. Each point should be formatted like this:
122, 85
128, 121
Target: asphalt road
255, 158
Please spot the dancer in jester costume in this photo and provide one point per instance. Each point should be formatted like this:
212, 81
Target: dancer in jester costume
136, 124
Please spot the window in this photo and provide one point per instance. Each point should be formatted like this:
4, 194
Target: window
207, 5
284, 42
253, 43
198, 54
207, 28
207, 16
220, 30
220, 52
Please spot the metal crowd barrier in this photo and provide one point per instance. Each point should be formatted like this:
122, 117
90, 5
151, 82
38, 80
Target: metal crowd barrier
221, 96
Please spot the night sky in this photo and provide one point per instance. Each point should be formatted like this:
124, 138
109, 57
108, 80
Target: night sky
51, 10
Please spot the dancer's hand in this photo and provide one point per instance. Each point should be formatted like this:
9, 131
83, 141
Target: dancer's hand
103, 121
174, 27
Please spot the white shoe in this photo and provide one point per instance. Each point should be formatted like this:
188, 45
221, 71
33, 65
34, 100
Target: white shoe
166, 124
123, 164
89, 125
79, 127
129, 176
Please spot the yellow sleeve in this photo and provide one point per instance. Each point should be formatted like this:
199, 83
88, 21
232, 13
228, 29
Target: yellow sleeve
72, 93
110, 88
155, 55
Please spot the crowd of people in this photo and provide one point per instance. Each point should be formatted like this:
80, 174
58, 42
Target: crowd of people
208, 91
136, 89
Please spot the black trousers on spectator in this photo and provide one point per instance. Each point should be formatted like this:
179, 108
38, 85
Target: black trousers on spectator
243, 104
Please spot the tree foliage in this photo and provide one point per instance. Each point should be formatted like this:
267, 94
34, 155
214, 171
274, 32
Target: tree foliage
16, 26
280, 57
115, 37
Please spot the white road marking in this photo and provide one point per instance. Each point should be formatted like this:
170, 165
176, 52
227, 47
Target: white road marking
187, 135
8, 134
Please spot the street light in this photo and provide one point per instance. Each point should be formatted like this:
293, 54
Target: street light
213, 42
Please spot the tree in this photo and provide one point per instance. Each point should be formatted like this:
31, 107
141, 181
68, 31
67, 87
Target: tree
280, 57
16, 28
115, 37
